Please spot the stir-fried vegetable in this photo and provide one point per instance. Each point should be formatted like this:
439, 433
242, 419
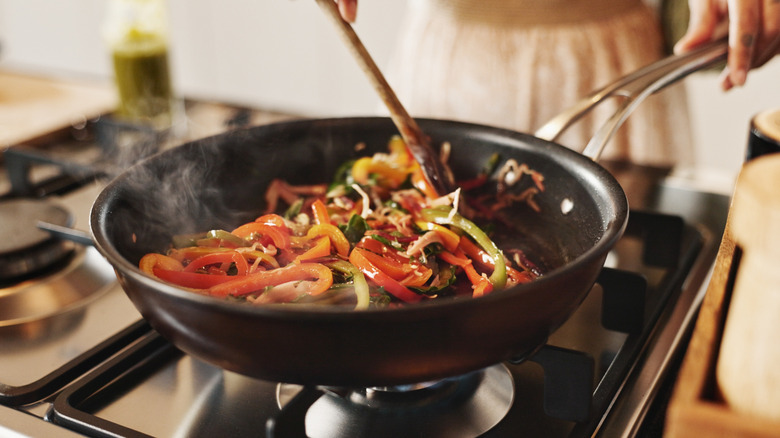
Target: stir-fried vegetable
375, 236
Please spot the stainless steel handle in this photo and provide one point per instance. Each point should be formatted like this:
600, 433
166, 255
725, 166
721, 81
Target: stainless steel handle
67, 233
634, 88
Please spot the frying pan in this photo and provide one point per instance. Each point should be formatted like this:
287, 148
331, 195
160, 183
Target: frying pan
219, 182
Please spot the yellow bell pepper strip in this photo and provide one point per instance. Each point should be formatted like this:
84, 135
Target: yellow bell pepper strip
443, 216
449, 239
418, 277
320, 249
399, 153
420, 182
279, 236
153, 260
357, 257
222, 258
358, 281
332, 232
319, 277
387, 175
321, 215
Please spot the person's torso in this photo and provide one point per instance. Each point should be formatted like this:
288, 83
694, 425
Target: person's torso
528, 12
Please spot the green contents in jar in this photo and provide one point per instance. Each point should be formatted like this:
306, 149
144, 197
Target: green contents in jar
143, 82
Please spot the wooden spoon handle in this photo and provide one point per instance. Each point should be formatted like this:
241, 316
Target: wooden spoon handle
415, 140
403, 121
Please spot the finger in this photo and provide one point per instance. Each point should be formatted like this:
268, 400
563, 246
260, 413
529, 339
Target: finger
743, 36
705, 15
769, 41
725, 80
348, 10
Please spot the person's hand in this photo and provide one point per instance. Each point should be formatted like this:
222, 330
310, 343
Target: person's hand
348, 9
753, 29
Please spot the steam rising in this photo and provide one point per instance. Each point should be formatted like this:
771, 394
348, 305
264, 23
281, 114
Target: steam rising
192, 188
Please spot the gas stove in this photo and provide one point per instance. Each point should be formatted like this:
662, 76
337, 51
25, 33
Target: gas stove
79, 360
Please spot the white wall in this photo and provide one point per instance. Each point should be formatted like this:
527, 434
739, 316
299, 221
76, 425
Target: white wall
721, 120
284, 55
281, 54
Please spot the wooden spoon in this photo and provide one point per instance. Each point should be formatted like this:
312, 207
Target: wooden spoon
416, 141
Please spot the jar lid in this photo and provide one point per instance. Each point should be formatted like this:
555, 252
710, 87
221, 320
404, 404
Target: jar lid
768, 123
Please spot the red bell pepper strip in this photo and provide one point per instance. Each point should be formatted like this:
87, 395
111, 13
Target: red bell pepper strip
484, 286
169, 269
397, 266
519, 277
418, 277
274, 220
380, 248
191, 280
357, 257
223, 258
484, 260
279, 236
481, 284
320, 277
477, 254
392, 268
443, 215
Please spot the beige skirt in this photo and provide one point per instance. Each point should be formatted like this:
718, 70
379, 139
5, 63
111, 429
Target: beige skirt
457, 60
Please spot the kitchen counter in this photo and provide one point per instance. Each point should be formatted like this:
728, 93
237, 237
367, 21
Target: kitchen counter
31, 106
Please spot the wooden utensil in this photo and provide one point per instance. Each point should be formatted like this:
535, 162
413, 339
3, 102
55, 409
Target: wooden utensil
416, 141
747, 371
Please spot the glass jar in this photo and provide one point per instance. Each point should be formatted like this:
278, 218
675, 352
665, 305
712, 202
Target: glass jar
136, 32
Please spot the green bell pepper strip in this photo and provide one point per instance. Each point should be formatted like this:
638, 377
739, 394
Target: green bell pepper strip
358, 279
441, 215
227, 237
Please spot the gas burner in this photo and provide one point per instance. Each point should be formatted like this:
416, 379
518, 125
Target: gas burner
47, 305
460, 407
24, 249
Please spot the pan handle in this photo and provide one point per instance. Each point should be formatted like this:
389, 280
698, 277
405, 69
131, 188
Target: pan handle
634, 88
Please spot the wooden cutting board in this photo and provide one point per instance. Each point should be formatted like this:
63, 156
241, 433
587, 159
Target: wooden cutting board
710, 400
33, 106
